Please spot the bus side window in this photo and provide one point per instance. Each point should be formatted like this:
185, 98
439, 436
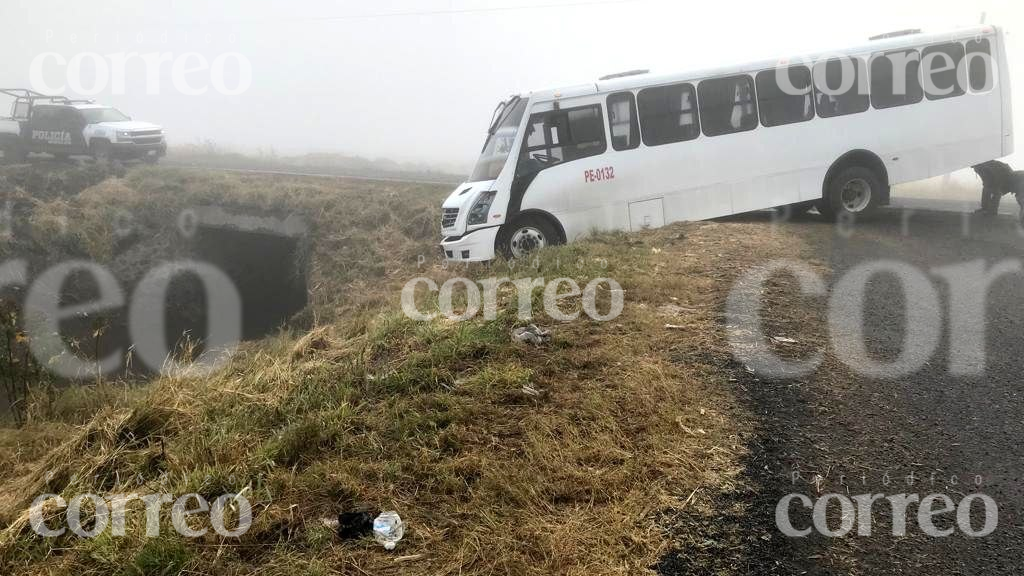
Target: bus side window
727, 105
777, 106
622, 121
560, 136
830, 97
979, 64
943, 71
668, 114
896, 79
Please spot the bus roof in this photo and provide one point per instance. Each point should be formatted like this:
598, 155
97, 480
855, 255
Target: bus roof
637, 81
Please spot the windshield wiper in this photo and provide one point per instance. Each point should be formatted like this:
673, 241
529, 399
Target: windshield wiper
501, 113
497, 117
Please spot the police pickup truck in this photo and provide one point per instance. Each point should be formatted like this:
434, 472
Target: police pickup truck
63, 127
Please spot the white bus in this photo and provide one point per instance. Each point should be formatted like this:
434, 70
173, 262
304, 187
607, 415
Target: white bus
639, 151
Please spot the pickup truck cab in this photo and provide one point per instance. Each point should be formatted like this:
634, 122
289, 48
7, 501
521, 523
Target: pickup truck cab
64, 128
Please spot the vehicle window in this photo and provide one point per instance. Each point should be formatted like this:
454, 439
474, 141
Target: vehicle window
43, 116
561, 136
836, 95
70, 118
942, 66
668, 114
499, 144
99, 115
622, 121
896, 79
780, 105
979, 64
21, 109
727, 105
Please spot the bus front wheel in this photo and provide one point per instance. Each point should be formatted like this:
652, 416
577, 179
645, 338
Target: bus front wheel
853, 191
525, 236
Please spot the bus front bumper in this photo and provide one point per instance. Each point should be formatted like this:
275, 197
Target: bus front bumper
476, 246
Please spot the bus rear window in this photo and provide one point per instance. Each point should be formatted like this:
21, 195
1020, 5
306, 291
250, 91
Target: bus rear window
979, 63
941, 66
840, 87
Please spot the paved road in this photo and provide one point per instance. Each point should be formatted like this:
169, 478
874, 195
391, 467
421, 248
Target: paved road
948, 431
441, 180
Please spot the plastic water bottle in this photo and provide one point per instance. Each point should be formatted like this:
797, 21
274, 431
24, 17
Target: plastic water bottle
388, 529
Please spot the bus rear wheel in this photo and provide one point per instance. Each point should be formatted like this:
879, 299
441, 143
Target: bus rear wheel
525, 236
854, 191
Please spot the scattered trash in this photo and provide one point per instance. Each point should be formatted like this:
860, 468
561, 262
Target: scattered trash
674, 327
531, 335
388, 529
783, 340
355, 524
531, 391
674, 310
688, 430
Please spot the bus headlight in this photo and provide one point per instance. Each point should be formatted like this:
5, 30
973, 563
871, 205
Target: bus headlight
482, 206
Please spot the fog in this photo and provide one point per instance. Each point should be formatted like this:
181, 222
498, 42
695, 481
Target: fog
415, 80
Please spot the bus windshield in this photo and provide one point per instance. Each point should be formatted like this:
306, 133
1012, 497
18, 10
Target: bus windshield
499, 143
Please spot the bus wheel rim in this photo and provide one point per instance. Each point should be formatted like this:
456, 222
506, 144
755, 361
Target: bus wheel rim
856, 195
526, 240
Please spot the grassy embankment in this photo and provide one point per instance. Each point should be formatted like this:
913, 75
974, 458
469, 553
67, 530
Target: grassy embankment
502, 458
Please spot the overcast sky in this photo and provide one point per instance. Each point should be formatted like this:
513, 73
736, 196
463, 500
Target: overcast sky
417, 80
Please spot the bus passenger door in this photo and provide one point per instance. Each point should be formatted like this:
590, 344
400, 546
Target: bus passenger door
559, 158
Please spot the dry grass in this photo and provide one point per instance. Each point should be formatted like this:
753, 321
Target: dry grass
502, 459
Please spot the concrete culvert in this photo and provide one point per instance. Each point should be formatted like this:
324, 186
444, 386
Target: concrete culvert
266, 258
